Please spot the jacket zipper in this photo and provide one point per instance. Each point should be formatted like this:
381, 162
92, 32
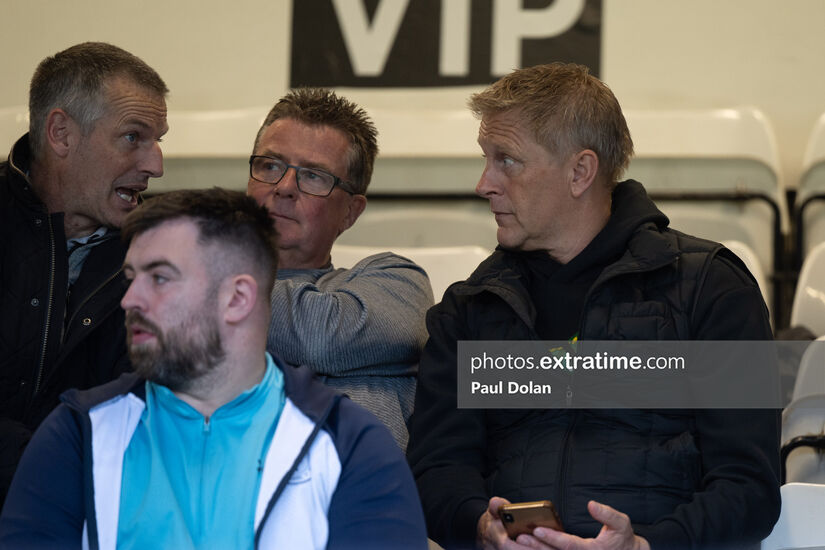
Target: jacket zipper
48, 312
560, 477
65, 331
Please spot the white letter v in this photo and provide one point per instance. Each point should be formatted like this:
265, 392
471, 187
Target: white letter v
369, 45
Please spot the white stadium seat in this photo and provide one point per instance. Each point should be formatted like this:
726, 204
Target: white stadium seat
713, 152
810, 206
800, 521
808, 309
748, 256
444, 265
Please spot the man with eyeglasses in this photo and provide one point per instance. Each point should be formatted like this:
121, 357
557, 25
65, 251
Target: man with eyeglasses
360, 329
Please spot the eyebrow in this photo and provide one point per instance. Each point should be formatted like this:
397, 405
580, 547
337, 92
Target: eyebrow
153, 265
133, 122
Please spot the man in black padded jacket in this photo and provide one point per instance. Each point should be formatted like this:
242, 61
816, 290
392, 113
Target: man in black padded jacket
582, 256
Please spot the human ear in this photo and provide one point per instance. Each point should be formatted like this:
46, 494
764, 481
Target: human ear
238, 296
356, 206
60, 132
585, 168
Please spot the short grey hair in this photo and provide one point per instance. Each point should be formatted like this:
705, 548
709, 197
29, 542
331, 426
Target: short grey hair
567, 109
75, 80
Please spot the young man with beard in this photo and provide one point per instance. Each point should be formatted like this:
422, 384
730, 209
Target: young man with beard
212, 442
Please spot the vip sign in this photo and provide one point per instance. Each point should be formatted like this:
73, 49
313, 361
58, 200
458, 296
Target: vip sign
402, 43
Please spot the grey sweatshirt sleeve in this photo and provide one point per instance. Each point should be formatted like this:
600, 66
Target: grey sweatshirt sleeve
351, 322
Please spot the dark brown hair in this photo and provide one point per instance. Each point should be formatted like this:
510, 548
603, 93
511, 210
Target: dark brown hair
230, 219
321, 107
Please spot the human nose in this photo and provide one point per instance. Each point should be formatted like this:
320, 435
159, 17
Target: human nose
132, 299
486, 184
152, 161
288, 186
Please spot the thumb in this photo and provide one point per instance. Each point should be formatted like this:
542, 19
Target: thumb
608, 516
496, 503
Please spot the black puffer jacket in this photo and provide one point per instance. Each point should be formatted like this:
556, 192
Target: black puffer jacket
49, 341
697, 479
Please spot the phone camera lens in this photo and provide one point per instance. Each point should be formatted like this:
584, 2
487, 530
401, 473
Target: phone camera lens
508, 517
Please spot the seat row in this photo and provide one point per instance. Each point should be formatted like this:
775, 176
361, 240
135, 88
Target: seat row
802, 459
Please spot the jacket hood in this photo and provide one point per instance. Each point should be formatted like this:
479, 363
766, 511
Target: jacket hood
632, 211
632, 208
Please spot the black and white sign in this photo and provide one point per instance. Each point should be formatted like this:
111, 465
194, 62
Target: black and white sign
410, 43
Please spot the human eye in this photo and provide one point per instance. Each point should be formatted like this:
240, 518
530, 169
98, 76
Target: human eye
315, 182
131, 137
270, 165
506, 161
159, 279
314, 175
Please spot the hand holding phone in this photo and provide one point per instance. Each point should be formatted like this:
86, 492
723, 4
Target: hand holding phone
523, 517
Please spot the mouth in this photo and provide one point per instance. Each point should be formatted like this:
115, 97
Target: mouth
129, 194
278, 216
139, 334
501, 217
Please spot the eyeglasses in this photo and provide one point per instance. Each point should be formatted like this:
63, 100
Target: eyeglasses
311, 181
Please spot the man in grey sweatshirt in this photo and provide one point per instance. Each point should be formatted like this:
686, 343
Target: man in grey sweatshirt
360, 329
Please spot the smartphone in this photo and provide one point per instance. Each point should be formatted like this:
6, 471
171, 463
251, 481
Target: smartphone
523, 517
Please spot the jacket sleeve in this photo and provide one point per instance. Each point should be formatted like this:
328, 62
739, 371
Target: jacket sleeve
447, 446
375, 505
45, 506
738, 501
370, 316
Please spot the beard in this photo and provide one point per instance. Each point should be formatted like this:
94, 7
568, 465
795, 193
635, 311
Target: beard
180, 356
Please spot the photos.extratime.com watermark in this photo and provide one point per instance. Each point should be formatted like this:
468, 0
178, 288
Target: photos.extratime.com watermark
564, 360
625, 374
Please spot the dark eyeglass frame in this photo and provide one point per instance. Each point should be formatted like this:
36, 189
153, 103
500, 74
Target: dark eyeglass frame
337, 182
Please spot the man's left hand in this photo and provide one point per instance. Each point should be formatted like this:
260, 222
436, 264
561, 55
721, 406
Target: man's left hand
616, 534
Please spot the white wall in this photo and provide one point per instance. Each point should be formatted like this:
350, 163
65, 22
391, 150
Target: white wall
711, 53
656, 54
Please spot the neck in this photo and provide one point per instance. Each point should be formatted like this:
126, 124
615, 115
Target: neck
222, 384
582, 232
287, 259
47, 184
41, 177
